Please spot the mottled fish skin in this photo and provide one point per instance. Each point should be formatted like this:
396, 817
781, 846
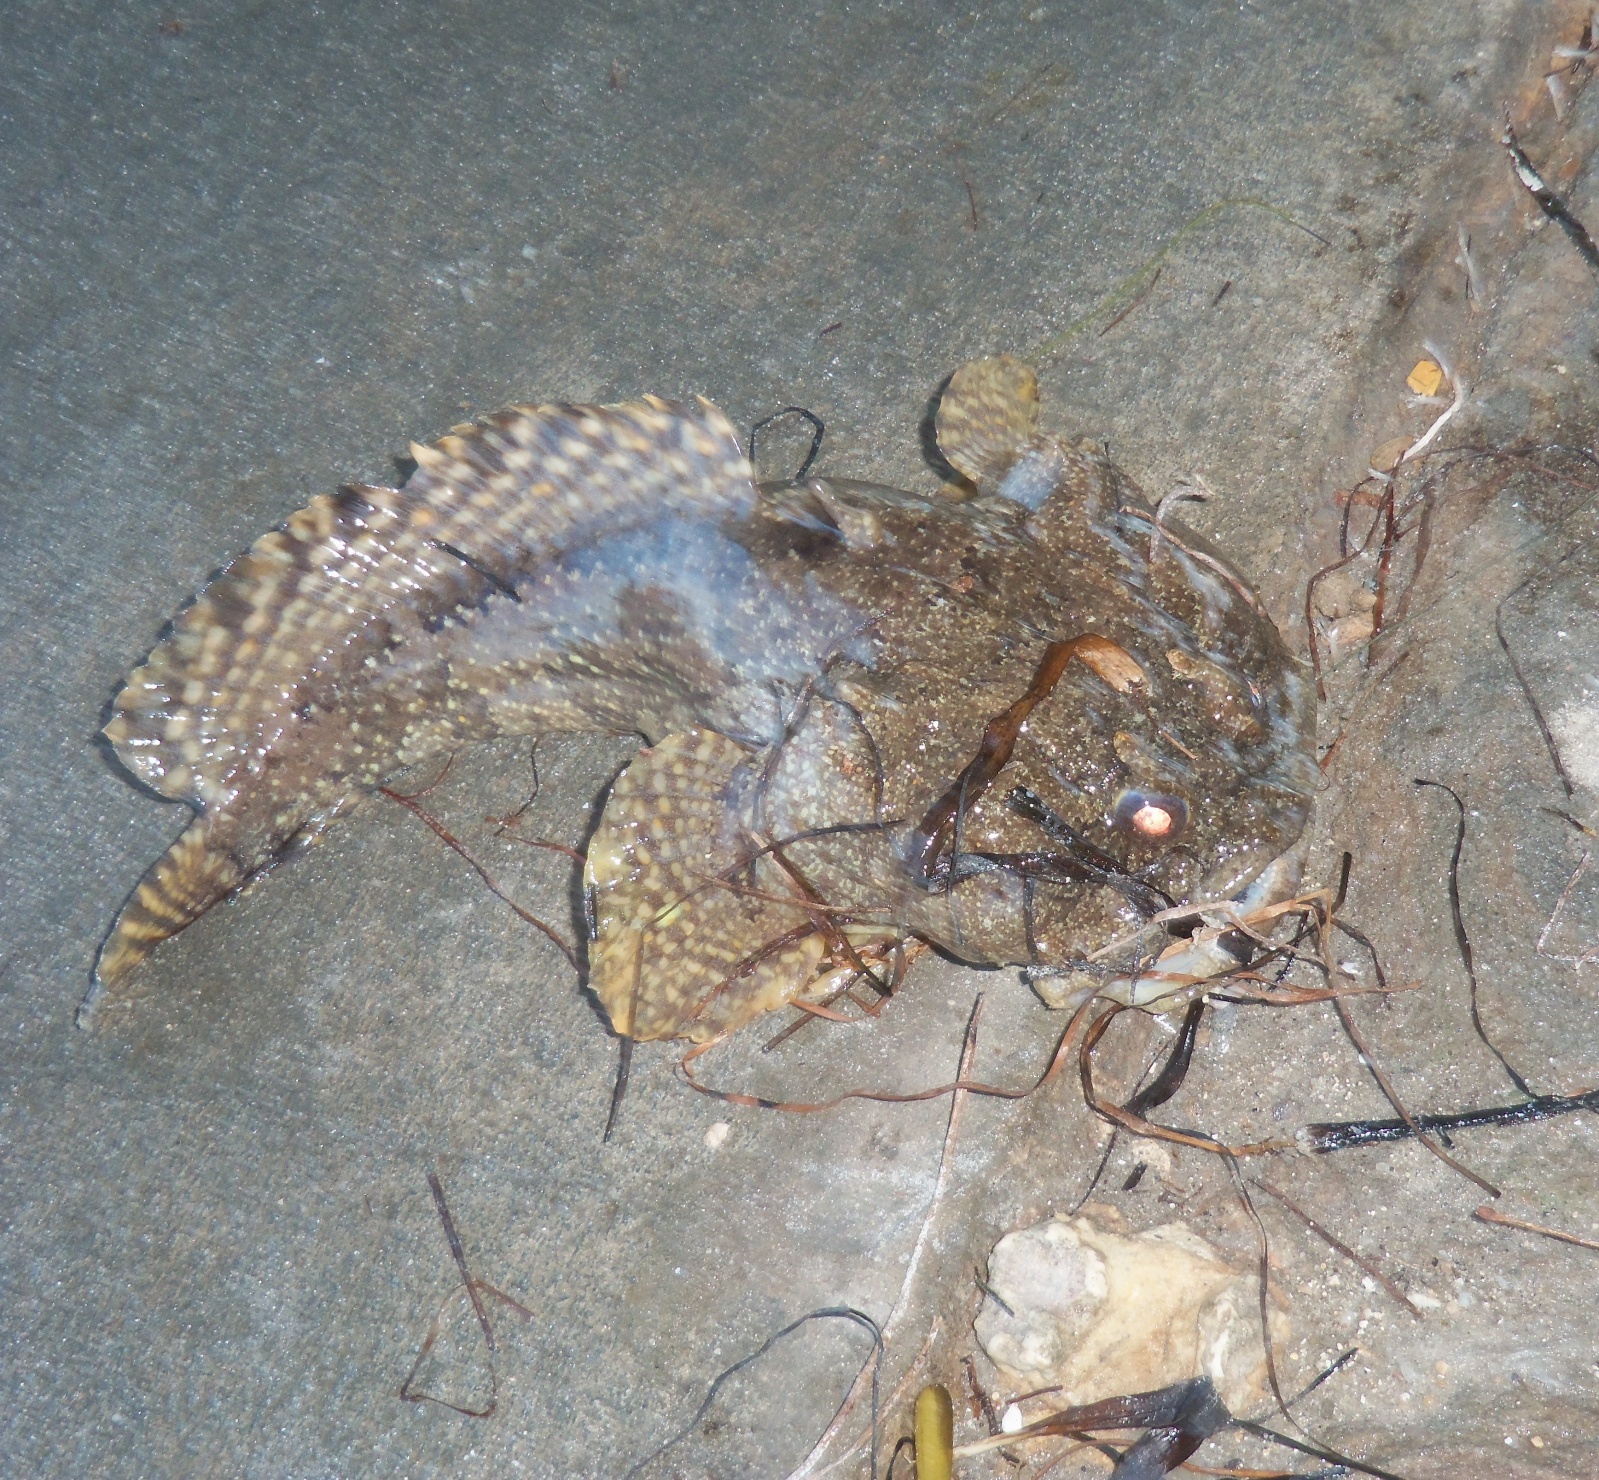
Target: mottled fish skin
274, 706
815, 668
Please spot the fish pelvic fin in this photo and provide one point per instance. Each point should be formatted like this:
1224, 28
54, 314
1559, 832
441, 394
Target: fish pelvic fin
176, 890
987, 415
697, 930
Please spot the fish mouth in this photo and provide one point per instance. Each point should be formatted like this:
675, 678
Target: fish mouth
1180, 952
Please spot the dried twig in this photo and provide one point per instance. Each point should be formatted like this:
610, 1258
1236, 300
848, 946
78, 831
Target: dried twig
475, 1290
1589, 956
1334, 1242
1489, 1215
449, 839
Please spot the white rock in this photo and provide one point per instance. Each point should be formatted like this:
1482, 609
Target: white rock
1102, 1314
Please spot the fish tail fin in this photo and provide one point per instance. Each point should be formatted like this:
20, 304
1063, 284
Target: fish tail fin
178, 888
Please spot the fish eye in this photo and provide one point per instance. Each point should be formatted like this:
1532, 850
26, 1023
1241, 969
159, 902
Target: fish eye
1151, 815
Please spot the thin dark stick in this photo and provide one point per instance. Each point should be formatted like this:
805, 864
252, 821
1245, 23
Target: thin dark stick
838, 1312
500, 584
1532, 702
1346, 866
1322, 1376
1343, 1135
818, 430
1334, 1242
1144, 293
1462, 940
452, 1238
994, 1295
1344, 1016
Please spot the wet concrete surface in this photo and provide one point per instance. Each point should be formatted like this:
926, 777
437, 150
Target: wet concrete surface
252, 251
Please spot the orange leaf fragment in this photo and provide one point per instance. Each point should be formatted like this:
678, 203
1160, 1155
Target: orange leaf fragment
1425, 379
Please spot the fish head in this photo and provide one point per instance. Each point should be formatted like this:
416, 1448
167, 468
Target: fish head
1158, 747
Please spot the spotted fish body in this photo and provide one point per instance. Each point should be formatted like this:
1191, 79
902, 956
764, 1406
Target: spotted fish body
1013, 727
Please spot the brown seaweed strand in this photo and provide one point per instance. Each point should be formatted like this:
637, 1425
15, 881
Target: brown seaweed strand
1463, 941
993, 753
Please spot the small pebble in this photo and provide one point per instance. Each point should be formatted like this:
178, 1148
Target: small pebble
718, 1134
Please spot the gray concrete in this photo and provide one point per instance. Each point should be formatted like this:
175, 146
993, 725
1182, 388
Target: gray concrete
250, 251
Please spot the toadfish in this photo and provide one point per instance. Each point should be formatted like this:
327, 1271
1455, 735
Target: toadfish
1031, 727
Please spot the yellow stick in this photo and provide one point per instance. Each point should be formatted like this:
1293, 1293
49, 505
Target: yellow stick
935, 1434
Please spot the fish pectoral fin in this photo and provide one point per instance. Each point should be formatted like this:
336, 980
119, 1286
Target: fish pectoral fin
986, 417
697, 928
178, 888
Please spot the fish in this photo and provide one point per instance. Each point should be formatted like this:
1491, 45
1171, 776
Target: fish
1028, 721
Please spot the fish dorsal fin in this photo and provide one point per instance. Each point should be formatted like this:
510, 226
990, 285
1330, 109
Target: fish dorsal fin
986, 417
316, 598
694, 932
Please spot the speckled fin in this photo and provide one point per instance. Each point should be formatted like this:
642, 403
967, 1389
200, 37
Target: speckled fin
693, 937
185, 882
986, 417
232, 711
